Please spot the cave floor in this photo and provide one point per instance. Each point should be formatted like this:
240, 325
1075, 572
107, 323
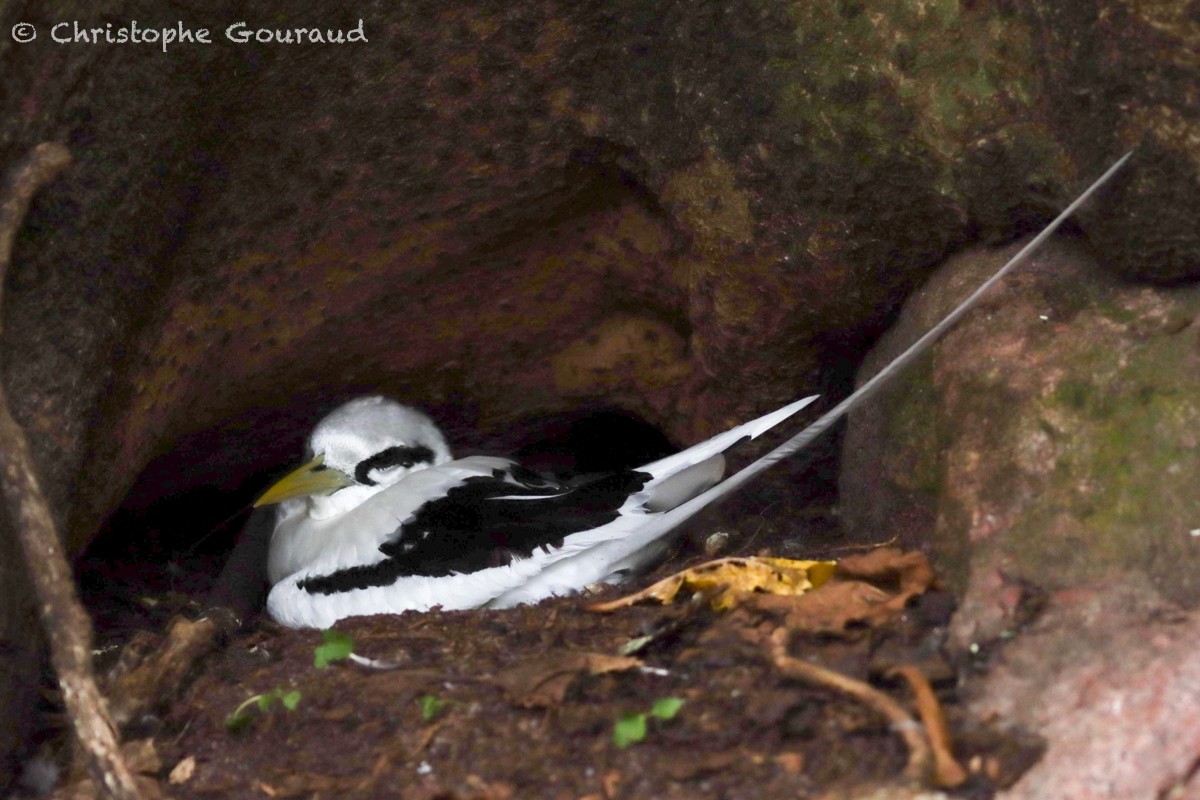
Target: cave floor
525, 702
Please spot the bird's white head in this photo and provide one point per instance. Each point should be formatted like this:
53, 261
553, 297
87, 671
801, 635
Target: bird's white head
358, 450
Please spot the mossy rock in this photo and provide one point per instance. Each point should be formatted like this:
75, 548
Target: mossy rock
1064, 438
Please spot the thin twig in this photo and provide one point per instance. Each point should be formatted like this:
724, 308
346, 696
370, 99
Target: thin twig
919, 755
68, 628
866, 547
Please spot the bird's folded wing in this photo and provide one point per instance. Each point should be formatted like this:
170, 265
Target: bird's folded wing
484, 527
482, 521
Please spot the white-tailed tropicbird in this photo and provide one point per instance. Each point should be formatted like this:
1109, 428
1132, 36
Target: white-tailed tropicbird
384, 520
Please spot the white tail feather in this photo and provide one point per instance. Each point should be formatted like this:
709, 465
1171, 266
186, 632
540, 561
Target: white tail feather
723, 441
595, 561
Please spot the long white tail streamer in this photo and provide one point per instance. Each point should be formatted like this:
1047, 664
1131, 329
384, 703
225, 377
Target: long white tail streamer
658, 525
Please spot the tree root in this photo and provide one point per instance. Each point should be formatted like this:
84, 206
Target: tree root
920, 756
67, 625
947, 772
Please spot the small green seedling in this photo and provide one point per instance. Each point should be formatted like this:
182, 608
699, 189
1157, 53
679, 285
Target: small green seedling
334, 646
666, 707
241, 716
629, 730
631, 727
432, 706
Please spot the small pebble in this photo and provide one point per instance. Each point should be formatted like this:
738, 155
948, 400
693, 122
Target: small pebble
716, 543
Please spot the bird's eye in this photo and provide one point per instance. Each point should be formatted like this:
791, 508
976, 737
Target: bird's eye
400, 456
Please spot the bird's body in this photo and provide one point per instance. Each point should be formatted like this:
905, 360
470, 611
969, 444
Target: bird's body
471, 532
383, 520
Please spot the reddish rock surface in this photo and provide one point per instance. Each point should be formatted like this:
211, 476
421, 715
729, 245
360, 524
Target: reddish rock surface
484, 206
1045, 453
1050, 438
1110, 677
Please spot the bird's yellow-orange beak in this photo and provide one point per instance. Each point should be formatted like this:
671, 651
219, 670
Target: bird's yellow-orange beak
312, 478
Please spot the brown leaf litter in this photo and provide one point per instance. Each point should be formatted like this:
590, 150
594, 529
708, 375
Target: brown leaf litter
785, 695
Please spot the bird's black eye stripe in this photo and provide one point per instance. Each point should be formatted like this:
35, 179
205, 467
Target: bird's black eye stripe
400, 456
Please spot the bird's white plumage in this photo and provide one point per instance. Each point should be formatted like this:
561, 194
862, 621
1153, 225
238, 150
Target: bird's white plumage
309, 543
335, 530
386, 466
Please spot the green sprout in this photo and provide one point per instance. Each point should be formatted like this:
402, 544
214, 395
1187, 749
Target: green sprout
666, 707
335, 646
432, 706
241, 716
631, 726
629, 730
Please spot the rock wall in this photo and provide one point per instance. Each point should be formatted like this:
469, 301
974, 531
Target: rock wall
1050, 438
483, 207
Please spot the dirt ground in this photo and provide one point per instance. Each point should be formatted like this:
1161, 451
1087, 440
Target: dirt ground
525, 702
521, 718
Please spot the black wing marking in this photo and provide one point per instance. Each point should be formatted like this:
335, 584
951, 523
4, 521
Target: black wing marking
486, 521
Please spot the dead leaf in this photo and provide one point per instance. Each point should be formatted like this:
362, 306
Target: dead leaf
911, 570
731, 579
703, 764
544, 682
297, 784
832, 610
599, 663
867, 590
791, 763
183, 771
611, 782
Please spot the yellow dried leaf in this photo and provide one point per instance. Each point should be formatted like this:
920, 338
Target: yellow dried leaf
727, 578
